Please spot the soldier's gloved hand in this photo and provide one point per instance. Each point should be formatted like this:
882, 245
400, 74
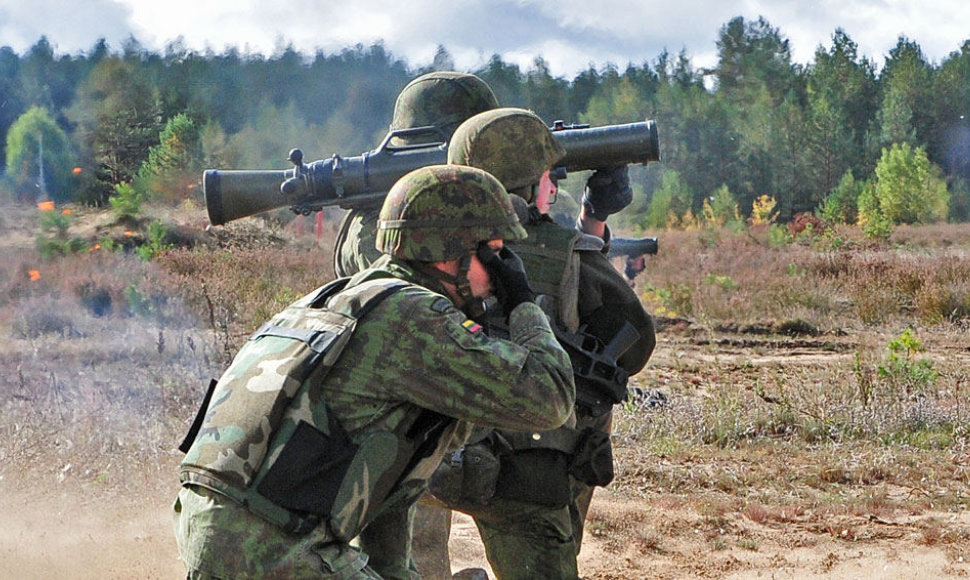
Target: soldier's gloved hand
607, 192
508, 277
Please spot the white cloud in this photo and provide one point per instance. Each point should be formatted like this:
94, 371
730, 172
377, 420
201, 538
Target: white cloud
70, 27
569, 34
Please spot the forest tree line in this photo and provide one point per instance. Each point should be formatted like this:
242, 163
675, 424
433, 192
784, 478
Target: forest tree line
815, 137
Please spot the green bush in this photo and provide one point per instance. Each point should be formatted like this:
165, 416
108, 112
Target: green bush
908, 189
54, 240
901, 367
154, 244
841, 206
126, 202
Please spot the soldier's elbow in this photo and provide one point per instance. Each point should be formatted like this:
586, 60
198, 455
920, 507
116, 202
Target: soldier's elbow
559, 409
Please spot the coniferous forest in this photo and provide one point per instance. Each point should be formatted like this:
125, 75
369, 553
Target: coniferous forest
842, 137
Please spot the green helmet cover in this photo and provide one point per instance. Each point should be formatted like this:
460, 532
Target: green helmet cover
512, 144
442, 212
442, 99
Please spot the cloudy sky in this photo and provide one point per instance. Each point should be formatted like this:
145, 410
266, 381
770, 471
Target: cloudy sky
570, 34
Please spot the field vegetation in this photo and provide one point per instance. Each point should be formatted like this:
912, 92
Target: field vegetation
806, 409
809, 390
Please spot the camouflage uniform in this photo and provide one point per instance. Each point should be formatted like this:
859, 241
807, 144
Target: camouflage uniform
540, 536
442, 99
415, 370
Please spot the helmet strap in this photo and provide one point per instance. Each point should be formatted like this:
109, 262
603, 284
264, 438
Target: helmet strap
472, 306
526, 192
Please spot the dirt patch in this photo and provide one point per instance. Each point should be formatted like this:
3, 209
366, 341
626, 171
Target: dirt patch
93, 410
67, 530
60, 520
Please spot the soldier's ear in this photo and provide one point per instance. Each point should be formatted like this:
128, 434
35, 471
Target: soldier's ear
448, 267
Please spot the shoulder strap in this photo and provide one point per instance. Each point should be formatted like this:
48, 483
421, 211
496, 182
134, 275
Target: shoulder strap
362, 299
358, 300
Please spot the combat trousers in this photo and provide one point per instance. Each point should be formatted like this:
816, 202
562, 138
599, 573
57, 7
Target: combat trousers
432, 528
218, 539
527, 541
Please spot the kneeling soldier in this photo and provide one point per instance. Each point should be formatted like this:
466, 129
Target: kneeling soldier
333, 416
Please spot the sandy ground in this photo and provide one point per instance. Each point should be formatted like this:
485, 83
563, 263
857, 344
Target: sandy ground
70, 530
58, 522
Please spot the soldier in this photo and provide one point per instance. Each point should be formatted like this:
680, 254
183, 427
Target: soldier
412, 376
533, 526
439, 100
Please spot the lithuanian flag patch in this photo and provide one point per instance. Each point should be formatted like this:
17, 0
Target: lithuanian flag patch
471, 326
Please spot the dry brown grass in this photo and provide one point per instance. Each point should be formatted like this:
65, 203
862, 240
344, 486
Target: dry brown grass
106, 355
783, 408
837, 282
823, 430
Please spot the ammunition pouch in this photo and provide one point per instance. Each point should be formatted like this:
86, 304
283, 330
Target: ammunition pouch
593, 461
467, 478
307, 474
528, 467
536, 467
536, 476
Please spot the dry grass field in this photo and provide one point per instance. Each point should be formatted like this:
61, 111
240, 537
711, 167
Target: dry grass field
815, 416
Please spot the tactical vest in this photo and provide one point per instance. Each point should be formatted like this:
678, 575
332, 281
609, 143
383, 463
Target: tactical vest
549, 257
264, 435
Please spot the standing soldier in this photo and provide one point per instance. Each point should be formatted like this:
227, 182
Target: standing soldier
533, 526
438, 101
280, 490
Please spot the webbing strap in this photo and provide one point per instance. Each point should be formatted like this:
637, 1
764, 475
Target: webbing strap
317, 340
320, 340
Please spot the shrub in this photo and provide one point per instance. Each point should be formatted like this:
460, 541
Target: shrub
901, 367
54, 240
126, 202
806, 222
841, 206
154, 244
721, 209
907, 189
763, 211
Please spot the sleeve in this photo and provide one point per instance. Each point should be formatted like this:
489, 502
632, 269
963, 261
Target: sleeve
354, 248
607, 302
523, 383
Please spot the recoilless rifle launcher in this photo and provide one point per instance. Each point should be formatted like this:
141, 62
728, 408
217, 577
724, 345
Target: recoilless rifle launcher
632, 249
365, 179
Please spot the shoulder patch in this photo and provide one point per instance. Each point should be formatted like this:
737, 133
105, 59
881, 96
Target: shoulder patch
441, 305
471, 326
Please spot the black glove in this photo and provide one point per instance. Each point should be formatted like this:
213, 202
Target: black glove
508, 277
607, 192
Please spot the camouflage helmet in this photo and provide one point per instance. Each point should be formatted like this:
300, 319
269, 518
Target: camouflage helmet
443, 99
512, 144
441, 212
